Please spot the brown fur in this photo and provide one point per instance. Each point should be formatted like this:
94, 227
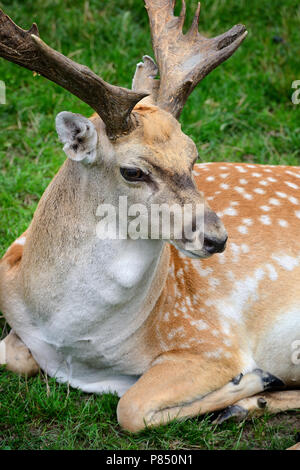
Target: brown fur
13, 255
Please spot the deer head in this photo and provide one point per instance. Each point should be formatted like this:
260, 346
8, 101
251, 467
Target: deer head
134, 143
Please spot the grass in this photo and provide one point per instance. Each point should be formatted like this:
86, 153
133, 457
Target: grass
42, 414
241, 112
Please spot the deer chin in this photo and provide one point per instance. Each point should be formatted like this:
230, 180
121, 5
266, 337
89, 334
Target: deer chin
197, 254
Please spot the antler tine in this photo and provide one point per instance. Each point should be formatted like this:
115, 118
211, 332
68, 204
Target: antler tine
25, 48
185, 59
182, 13
195, 24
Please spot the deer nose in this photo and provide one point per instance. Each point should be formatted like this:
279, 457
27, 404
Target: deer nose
214, 245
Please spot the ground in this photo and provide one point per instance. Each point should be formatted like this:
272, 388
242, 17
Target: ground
241, 112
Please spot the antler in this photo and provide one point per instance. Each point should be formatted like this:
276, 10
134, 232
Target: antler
25, 48
185, 59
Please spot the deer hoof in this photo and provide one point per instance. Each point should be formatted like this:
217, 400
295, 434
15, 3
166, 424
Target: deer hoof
233, 411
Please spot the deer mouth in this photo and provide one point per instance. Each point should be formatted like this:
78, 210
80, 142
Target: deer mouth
201, 254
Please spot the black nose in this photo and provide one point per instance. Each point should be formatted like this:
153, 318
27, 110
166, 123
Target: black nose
214, 245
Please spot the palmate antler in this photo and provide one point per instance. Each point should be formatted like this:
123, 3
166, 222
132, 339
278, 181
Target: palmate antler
184, 59
114, 104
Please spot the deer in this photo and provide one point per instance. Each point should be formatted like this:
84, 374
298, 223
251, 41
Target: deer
175, 332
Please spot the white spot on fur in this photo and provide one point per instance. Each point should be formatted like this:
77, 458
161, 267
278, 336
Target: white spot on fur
213, 282
199, 324
238, 189
297, 175
259, 191
230, 275
241, 169
265, 219
272, 272
210, 178
283, 223
274, 201
204, 272
280, 194
222, 258
265, 208
243, 229
245, 248
285, 261
176, 331
248, 221
235, 252
214, 354
291, 185
293, 200
230, 211
225, 326
227, 354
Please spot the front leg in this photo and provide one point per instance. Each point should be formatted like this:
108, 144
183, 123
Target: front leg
16, 356
181, 385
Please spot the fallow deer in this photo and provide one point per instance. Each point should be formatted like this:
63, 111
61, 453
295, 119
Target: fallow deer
174, 332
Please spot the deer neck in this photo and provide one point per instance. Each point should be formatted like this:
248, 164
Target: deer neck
123, 278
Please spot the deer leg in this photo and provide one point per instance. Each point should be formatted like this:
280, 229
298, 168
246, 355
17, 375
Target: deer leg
185, 388
272, 402
16, 356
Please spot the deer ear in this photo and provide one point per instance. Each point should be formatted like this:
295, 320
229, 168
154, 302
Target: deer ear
79, 136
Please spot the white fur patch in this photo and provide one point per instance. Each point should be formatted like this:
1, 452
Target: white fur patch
199, 324
291, 185
280, 194
283, 223
243, 229
287, 262
265, 219
293, 200
272, 272
20, 241
244, 293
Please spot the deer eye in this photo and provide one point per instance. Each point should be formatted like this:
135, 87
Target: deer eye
132, 174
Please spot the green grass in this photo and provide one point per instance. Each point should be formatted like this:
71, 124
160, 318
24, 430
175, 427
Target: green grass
42, 414
241, 112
